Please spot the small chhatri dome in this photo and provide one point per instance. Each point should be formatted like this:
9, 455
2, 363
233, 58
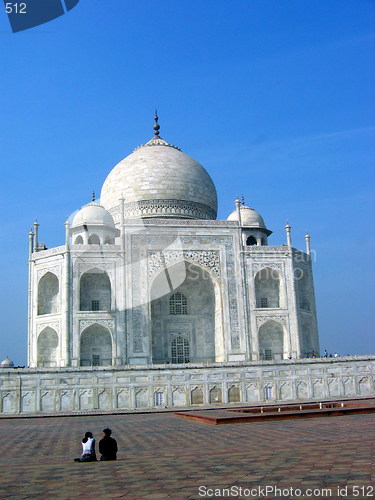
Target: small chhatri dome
249, 217
6, 363
159, 180
93, 214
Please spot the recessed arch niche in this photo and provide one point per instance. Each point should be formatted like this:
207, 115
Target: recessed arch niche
95, 291
96, 346
271, 340
199, 324
47, 346
268, 289
48, 293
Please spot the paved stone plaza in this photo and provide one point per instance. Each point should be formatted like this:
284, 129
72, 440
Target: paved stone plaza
162, 456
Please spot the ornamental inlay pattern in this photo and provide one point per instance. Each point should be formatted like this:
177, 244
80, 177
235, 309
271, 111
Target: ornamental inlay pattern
180, 222
55, 325
138, 313
260, 320
208, 259
137, 330
56, 270
269, 249
184, 334
272, 265
83, 267
172, 208
157, 141
107, 323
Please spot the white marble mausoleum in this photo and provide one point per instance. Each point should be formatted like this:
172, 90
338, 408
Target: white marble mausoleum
150, 276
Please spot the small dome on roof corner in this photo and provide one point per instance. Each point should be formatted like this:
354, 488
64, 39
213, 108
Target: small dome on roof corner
7, 363
249, 217
93, 214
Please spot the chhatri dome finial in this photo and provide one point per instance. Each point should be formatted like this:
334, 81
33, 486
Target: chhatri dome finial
156, 126
157, 140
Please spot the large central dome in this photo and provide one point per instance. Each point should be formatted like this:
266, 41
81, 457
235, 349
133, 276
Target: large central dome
158, 180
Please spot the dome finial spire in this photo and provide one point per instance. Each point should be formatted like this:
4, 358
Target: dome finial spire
156, 125
93, 196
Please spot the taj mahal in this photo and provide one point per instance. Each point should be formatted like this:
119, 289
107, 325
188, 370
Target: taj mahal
152, 301
148, 275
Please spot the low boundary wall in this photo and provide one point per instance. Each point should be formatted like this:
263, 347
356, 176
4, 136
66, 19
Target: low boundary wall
49, 390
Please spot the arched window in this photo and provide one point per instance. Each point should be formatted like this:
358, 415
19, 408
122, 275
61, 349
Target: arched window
197, 396
95, 291
48, 292
215, 395
267, 288
94, 240
251, 241
180, 350
96, 346
234, 395
271, 341
48, 342
178, 304
78, 240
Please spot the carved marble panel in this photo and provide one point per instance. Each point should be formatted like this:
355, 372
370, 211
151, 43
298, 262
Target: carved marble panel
179, 396
256, 267
207, 258
83, 267
55, 325
138, 329
51, 269
107, 323
260, 320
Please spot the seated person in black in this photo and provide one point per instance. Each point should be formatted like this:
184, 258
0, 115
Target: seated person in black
108, 446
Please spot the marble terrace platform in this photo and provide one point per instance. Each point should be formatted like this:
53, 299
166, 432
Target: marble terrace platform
283, 411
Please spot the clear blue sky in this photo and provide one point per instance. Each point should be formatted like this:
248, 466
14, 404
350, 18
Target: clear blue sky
275, 98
